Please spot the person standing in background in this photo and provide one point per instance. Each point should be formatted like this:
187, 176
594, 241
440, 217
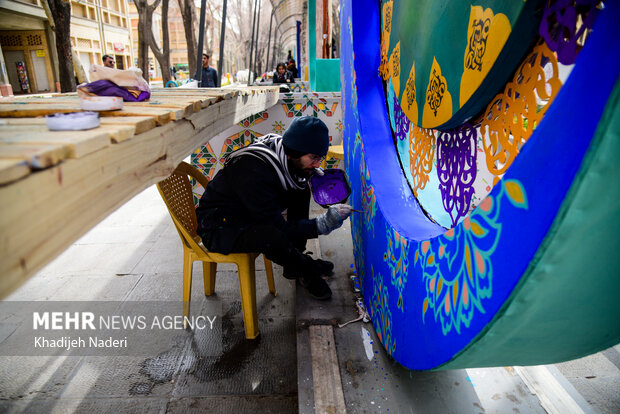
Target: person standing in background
108, 61
292, 68
209, 75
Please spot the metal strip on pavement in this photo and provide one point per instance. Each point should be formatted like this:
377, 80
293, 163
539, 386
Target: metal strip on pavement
555, 393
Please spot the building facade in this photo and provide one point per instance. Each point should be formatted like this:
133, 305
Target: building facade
98, 27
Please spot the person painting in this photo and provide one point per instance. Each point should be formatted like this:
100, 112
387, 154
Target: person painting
282, 75
241, 208
209, 75
108, 61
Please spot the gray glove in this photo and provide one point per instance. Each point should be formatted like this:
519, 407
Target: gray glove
333, 218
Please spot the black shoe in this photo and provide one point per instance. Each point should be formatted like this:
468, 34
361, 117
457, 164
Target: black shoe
290, 274
316, 287
322, 267
326, 267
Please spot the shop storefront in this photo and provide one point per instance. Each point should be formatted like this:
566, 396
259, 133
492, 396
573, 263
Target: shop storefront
27, 60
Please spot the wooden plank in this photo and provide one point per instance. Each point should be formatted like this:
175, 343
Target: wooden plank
328, 394
79, 143
140, 123
162, 115
26, 110
554, 398
45, 211
176, 110
202, 99
11, 170
38, 100
37, 156
210, 92
39, 133
194, 102
119, 131
179, 106
22, 121
198, 91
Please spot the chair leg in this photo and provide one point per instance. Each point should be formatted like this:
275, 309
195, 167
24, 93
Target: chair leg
247, 284
209, 270
269, 271
187, 281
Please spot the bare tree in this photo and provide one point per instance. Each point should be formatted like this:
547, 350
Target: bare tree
145, 32
61, 14
336, 27
162, 55
239, 36
238, 31
210, 26
190, 24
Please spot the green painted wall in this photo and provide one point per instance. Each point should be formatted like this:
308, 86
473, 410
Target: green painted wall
312, 42
327, 75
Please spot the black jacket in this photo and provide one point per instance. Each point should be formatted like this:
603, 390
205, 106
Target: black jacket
287, 77
245, 192
208, 79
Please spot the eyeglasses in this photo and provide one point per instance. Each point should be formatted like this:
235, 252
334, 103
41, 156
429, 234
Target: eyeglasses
316, 158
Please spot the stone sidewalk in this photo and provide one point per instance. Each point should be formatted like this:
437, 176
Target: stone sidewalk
136, 255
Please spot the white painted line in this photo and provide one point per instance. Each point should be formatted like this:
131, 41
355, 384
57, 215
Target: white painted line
367, 343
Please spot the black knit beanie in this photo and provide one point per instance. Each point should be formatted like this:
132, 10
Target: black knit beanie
307, 135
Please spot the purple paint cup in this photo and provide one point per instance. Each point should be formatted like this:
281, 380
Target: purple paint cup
330, 188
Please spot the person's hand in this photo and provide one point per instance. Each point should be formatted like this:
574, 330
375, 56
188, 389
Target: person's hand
344, 210
333, 218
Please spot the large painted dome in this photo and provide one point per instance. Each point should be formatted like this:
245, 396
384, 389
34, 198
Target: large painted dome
479, 142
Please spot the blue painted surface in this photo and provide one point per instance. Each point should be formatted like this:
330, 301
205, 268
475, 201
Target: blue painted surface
401, 256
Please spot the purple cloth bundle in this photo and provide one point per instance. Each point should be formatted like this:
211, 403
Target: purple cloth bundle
104, 87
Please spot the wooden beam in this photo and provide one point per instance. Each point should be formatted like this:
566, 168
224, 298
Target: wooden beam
140, 123
22, 128
328, 394
7, 110
79, 143
11, 170
43, 213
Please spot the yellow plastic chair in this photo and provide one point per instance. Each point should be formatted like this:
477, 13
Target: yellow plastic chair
176, 191
334, 151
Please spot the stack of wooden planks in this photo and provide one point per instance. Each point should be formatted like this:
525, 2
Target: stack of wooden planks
56, 185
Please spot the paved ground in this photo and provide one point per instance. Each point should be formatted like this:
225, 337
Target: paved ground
135, 254
373, 382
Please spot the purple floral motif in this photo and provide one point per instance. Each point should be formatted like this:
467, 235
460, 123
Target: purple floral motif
456, 169
401, 121
559, 26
